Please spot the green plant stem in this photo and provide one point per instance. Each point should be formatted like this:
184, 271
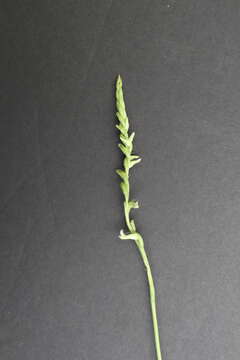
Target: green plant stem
152, 302
129, 161
141, 249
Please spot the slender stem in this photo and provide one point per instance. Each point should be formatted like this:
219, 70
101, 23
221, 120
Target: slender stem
151, 288
152, 301
129, 161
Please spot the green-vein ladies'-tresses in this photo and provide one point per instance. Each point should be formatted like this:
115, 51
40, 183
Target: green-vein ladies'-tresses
129, 161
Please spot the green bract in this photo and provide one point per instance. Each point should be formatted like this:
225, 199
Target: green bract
126, 146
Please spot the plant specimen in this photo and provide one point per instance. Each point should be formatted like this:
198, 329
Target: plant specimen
126, 146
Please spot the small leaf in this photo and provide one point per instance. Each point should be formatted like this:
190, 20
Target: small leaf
131, 137
124, 139
121, 129
134, 162
124, 149
127, 141
125, 189
122, 174
133, 204
134, 157
131, 236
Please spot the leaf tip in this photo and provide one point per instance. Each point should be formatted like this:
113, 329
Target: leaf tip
119, 80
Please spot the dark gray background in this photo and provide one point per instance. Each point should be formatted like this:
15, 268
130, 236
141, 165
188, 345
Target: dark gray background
70, 289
